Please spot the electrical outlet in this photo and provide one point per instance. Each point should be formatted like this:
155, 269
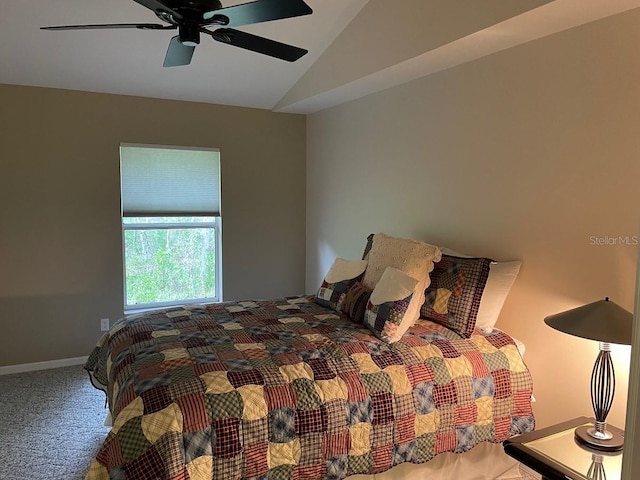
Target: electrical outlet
104, 324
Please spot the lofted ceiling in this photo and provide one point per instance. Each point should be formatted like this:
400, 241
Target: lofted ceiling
356, 47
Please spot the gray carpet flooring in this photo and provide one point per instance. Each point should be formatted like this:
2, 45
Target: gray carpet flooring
51, 424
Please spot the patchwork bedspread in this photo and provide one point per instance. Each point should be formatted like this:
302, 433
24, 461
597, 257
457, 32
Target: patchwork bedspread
287, 389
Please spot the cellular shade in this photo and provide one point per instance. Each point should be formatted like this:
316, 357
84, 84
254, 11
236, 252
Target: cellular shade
165, 181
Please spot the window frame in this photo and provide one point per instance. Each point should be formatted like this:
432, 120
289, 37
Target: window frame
204, 210
216, 225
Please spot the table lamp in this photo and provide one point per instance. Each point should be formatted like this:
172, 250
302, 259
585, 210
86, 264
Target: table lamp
607, 323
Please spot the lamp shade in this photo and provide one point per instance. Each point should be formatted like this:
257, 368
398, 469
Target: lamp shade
603, 321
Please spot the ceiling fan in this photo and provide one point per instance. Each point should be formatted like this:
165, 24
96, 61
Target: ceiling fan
193, 17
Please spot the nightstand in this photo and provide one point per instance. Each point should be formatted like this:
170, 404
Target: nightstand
554, 453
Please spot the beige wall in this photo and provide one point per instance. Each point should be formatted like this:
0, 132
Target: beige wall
525, 154
60, 234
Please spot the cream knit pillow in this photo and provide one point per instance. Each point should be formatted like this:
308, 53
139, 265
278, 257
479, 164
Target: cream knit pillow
413, 257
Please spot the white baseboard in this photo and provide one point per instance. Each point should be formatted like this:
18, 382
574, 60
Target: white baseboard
31, 367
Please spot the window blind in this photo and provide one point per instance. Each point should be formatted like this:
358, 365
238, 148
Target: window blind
167, 181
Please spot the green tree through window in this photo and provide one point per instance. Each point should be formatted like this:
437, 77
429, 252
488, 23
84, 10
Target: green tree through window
169, 264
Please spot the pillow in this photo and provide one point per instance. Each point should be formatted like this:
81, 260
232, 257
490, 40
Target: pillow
412, 257
501, 278
342, 274
386, 312
355, 301
453, 297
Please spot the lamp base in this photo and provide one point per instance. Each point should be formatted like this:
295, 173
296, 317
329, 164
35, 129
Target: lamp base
613, 444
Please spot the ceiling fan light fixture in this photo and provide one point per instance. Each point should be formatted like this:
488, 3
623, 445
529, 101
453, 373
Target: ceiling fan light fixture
189, 35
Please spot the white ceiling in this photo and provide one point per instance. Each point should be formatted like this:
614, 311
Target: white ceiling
129, 62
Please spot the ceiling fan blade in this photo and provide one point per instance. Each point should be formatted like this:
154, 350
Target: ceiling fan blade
257, 12
257, 44
158, 6
178, 54
141, 26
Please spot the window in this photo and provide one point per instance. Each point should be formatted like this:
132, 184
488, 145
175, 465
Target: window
171, 225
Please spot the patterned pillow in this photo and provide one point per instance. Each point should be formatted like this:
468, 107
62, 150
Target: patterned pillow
453, 297
413, 257
502, 275
342, 274
355, 301
386, 313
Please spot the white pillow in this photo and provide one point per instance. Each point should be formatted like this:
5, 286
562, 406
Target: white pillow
501, 278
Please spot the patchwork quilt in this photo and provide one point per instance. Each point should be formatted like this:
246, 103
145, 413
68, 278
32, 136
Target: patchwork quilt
288, 389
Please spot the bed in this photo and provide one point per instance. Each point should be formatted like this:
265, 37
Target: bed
294, 388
